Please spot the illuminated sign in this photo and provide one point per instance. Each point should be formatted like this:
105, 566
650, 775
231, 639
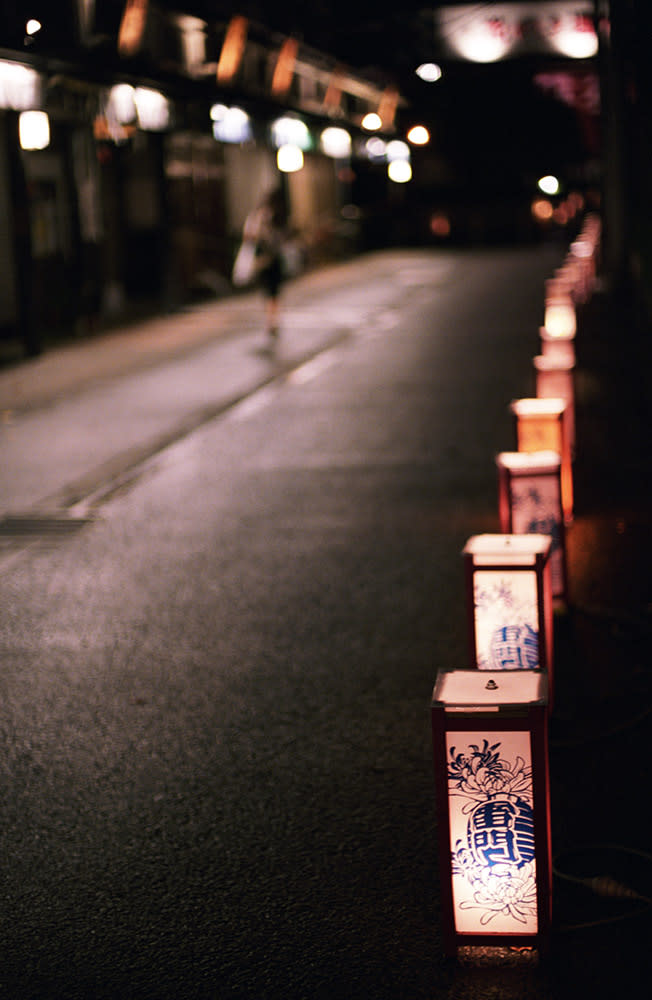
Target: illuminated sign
490, 32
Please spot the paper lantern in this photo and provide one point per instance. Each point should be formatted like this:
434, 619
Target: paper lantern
560, 349
559, 317
493, 808
555, 379
529, 502
509, 602
34, 129
541, 425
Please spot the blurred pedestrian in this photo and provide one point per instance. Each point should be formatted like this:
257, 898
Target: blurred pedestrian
267, 227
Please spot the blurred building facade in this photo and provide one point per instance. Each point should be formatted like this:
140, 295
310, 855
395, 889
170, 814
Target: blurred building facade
155, 132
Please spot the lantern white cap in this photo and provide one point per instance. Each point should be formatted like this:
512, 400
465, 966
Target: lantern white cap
481, 690
553, 363
514, 550
529, 461
551, 406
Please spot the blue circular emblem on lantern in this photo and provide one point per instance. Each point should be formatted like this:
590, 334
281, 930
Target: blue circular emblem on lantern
501, 831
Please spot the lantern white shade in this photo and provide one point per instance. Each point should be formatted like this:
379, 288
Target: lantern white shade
492, 788
560, 349
542, 425
509, 601
529, 501
34, 130
559, 316
555, 379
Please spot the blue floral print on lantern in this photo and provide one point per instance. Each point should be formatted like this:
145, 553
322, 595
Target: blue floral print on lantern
497, 856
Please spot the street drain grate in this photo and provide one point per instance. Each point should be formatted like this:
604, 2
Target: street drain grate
40, 525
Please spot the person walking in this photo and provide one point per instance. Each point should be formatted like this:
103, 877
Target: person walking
267, 227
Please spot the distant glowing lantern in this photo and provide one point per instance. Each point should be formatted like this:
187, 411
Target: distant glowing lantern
542, 210
372, 121
478, 40
555, 378
230, 124
336, 142
548, 184
509, 602
558, 348
20, 86
419, 135
559, 318
529, 502
541, 425
429, 72
490, 749
375, 148
152, 108
122, 103
397, 150
399, 171
289, 130
575, 36
34, 130
289, 158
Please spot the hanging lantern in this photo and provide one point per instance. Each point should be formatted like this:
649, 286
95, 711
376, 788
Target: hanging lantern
493, 808
529, 502
541, 425
34, 130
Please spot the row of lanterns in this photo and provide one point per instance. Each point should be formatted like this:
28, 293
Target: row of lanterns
127, 107
292, 138
489, 722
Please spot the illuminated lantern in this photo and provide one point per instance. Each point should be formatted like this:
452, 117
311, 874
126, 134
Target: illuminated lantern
559, 317
34, 130
541, 425
493, 808
529, 502
509, 602
560, 349
554, 379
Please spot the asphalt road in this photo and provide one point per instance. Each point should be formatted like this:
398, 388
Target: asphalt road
215, 685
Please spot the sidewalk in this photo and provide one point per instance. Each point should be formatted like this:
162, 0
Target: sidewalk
137, 345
